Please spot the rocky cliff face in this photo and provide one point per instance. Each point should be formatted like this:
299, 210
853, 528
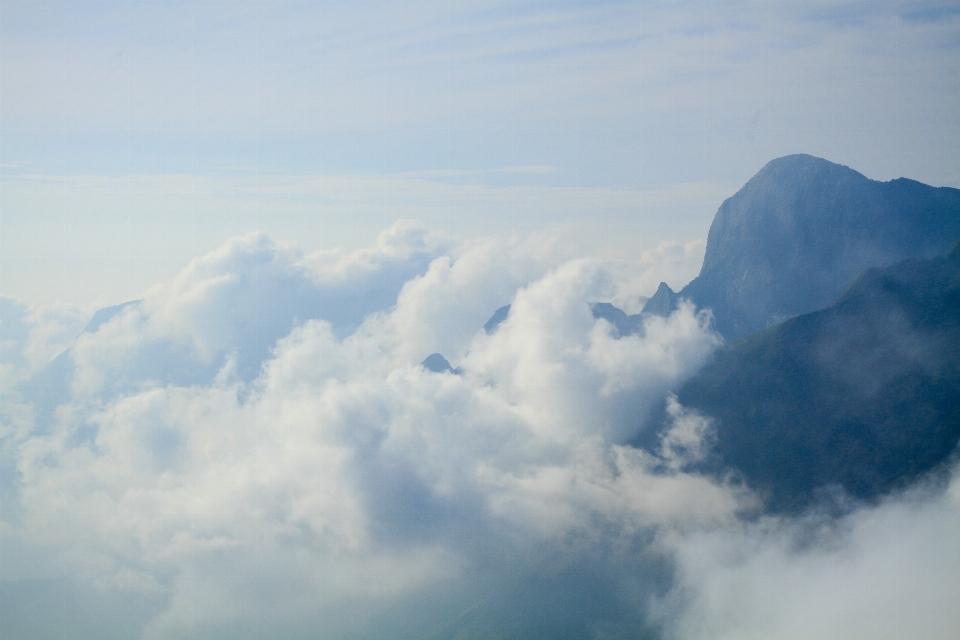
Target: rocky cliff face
800, 230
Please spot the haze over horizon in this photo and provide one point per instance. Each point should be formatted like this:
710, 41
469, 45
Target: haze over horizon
135, 136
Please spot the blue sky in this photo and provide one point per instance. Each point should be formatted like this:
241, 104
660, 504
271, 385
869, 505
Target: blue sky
138, 135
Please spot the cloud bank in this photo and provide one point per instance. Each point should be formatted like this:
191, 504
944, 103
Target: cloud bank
253, 449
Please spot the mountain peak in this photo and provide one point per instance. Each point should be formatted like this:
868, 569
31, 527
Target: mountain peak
498, 316
798, 231
436, 363
663, 302
102, 316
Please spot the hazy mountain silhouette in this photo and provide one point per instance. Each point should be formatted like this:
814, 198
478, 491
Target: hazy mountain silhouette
800, 230
663, 302
438, 364
864, 394
498, 316
625, 325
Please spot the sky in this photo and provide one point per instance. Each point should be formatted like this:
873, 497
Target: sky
135, 136
304, 200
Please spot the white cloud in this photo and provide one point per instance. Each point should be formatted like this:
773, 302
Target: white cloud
672, 262
343, 487
343, 454
32, 335
890, 571
688, 437
239, 300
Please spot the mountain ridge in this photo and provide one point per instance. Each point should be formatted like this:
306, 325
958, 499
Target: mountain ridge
801, 229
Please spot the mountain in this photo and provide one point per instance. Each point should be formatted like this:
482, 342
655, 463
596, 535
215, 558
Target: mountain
800, 230
626, 325
663, 302
864, 395
107, 314
436, 363
498, 316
